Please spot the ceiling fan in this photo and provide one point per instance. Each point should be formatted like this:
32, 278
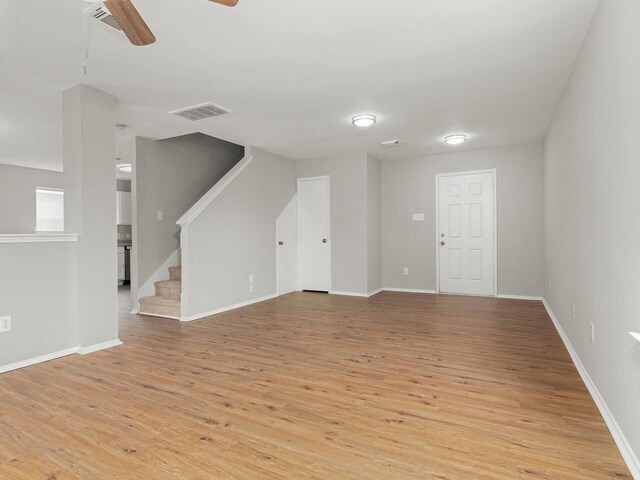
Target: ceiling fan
134, 26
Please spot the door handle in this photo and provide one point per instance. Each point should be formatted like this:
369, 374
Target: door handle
324, 240
442, 242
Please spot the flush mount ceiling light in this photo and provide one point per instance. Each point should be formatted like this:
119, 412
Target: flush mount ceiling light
455, 139
125, 167
363, 120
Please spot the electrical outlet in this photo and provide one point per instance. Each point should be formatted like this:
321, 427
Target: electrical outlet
160, 215
573, 311
251, 278
406, 271
251, 288
593, 333
5, 324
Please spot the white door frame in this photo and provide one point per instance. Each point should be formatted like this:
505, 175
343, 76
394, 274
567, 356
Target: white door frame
494, 173
307, 179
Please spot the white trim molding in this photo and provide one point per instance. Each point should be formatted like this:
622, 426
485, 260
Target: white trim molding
38, 238
407, 290
99, 346
216, 190
198, 316
38, 359
157, 315
59, 354
622, 443
348, 294
519, 297
375, 292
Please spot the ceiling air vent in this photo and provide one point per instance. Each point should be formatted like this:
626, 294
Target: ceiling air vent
200, 112
100, 13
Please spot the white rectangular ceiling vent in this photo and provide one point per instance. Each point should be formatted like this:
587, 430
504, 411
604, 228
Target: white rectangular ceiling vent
390, 143
100, 13
201, 112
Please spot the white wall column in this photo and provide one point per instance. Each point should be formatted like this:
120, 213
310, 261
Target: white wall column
90, 209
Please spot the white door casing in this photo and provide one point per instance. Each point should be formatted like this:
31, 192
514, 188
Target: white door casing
466, 232
314, 246
287, 248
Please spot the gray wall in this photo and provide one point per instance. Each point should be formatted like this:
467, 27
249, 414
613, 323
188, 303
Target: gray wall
348, 191
235, 236
374, 224
408, 186
18, 196
171, 175
36, 289
592, 231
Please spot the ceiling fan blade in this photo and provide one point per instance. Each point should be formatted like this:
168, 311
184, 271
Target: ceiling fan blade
133, 26
228, 3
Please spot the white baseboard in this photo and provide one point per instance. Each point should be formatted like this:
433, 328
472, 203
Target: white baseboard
626, 451
348, 294
157, 315
99, 346
198, 316
518, 297
355, 294
407, 290
60, 353
38, 359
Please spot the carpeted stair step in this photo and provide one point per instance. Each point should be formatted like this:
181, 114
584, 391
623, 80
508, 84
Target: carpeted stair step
169, 289
175, 273
161, 306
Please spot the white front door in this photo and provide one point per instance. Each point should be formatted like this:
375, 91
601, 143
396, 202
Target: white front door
287, 248
313, 227
466, 236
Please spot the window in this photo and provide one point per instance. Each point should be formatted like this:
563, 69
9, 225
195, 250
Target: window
49, 210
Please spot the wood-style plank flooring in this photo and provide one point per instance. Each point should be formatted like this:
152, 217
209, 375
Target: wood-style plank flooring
311, 386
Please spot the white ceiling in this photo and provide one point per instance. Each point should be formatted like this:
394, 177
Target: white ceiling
295, 71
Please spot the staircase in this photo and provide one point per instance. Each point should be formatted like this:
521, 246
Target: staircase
166, 302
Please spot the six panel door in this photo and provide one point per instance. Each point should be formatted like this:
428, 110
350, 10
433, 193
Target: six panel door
466, 236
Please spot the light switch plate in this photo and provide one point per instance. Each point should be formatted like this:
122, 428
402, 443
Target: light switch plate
417, 217
160, 215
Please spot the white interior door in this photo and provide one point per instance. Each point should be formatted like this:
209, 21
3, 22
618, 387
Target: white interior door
313, 227
466, 236
287, 248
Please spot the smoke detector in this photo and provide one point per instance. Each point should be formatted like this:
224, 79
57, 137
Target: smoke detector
201, 112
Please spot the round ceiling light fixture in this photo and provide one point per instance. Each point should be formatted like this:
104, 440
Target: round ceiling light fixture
363, 120
125, 167
456, 139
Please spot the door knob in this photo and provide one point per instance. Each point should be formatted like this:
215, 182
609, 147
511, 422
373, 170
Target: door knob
324, 240
280, 242
442, 242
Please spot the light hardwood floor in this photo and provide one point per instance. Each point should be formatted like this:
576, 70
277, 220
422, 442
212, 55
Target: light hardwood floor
310, 386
